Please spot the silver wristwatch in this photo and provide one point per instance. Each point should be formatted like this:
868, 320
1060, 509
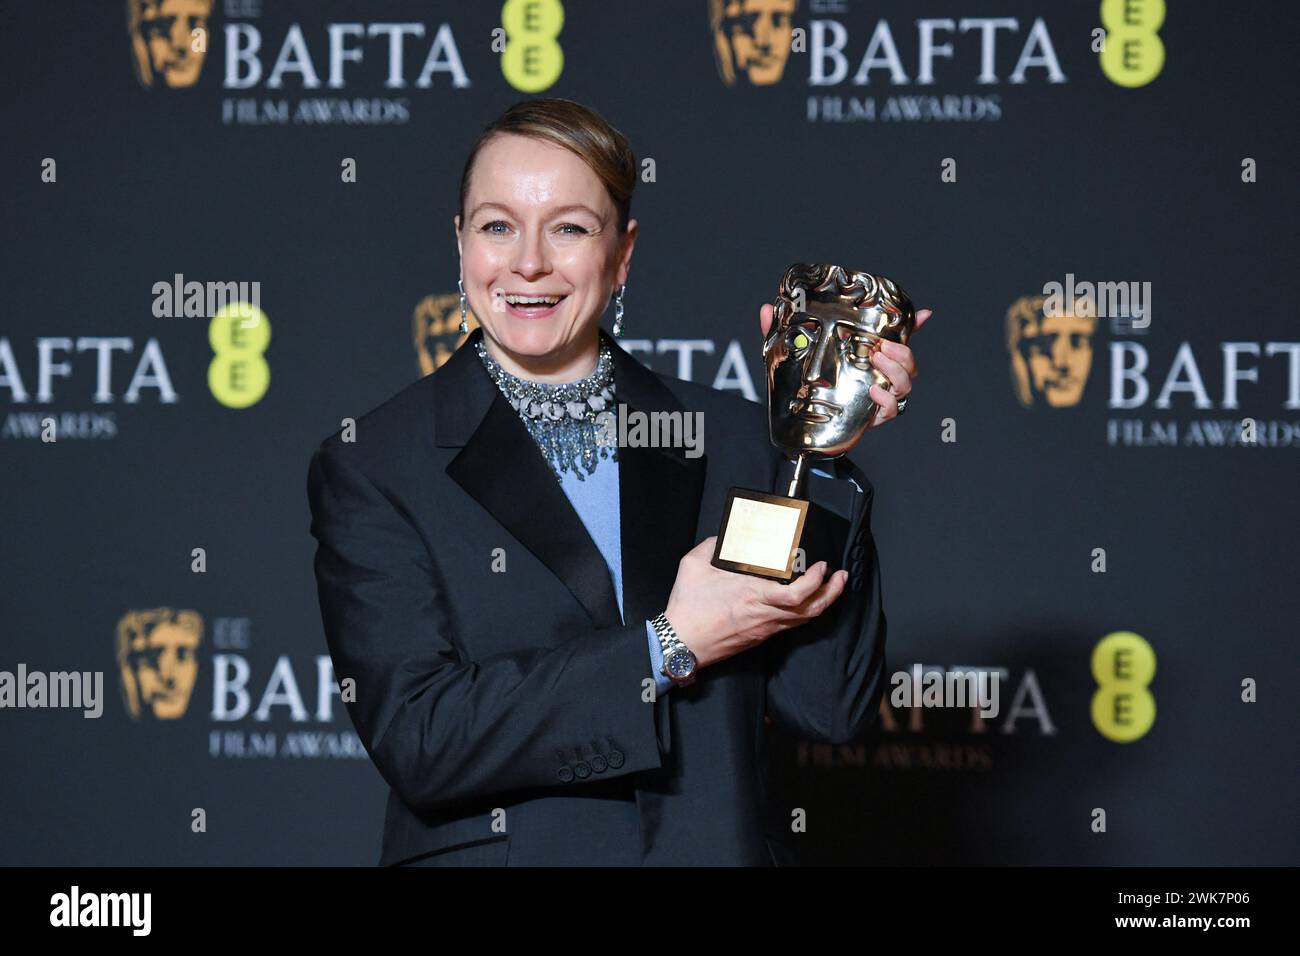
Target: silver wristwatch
680, 664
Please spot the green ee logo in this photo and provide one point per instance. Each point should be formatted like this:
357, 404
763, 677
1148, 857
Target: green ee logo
238, 375
532, 59
1133, 54
1123, 664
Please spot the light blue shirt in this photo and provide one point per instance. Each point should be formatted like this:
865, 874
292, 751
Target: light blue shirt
596, 500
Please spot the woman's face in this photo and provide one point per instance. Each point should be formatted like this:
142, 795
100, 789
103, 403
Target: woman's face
539, 223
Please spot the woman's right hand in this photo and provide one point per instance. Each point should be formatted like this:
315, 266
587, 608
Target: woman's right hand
719, 614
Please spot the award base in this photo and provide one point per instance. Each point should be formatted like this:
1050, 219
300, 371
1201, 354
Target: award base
761, 534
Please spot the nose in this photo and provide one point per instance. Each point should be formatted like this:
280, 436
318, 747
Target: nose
1061, 351
530, 256
823, 365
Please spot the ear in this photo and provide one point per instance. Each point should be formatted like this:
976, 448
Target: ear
625, 254
455, 222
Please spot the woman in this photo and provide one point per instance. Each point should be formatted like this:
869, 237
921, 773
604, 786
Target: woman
501, 585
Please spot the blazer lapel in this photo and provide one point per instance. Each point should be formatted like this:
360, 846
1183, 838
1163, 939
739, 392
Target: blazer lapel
659, 495
500, 466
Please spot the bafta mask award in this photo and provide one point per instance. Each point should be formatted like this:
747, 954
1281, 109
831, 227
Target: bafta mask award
826, 322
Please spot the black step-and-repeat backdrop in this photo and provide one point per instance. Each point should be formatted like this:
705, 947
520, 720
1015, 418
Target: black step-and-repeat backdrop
1093, 494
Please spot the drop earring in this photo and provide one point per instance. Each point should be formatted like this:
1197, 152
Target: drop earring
464, 326
618, 312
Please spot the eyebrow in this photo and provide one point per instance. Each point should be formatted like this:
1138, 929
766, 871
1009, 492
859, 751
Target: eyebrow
837, 322
555, 212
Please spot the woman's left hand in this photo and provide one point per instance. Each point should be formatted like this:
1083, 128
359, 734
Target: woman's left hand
896, 362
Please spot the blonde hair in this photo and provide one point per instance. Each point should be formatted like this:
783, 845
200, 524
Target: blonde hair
572, 126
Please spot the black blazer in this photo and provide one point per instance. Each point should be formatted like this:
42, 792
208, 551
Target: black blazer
508, 711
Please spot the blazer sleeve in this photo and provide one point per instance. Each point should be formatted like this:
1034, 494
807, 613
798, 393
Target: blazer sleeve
441, 728
825, 678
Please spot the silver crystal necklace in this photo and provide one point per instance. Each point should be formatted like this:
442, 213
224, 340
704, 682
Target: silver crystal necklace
563, 419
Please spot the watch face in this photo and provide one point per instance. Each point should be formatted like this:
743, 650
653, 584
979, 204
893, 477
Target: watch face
681, 663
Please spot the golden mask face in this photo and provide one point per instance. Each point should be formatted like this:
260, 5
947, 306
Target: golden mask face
157, 654
162, 40
1051, 354
751, 39
436, 324
819, 370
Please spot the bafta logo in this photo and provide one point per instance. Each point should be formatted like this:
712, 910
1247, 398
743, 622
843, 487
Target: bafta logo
1051, 353
436, 324
751, 39
157, 655
168, 40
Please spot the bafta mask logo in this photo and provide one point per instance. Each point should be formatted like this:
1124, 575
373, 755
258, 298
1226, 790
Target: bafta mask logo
826, 322
1051, 353
751, 39
157, 655
168, 40
436, 323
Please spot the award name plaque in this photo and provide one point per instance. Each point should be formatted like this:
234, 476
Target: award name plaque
826, 323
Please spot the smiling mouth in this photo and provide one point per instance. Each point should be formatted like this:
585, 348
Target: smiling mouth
531, 305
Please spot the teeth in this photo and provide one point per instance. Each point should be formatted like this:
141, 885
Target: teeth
533, 299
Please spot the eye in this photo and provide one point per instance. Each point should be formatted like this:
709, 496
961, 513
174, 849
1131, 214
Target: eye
860, 349
799, 340
159, 26
488, 228
569, 225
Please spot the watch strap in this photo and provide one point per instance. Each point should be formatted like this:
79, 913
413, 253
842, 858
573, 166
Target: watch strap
669, 642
